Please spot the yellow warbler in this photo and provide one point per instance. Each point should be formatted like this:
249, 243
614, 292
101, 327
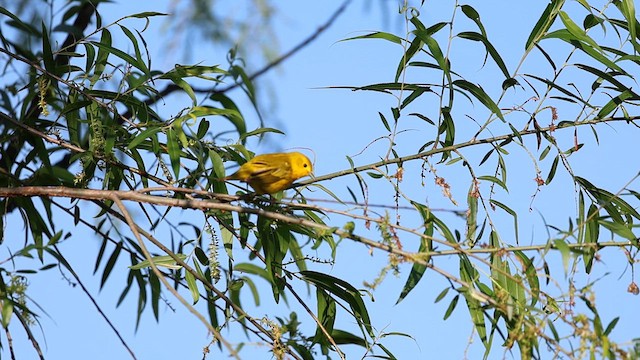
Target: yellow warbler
270, 173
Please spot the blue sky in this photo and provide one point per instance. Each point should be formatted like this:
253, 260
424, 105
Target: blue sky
336, 123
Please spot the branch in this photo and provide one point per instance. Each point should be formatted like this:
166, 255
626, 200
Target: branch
322, 28
132, 225
87, 194
295, 49
490, 140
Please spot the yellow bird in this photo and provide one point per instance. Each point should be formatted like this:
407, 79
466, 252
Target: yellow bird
270, 173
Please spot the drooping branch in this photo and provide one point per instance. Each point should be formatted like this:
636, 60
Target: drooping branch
169, 89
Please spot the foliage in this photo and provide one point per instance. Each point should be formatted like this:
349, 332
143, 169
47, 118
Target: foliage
80, 121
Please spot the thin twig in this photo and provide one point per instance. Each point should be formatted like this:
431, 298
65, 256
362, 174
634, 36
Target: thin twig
134, 228
94, 302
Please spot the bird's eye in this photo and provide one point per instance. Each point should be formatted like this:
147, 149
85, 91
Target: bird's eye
305, 165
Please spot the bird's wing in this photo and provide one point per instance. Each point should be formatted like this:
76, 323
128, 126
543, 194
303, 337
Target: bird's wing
267, 172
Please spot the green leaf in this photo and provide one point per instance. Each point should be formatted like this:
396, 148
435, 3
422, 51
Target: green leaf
620, 229
145, 134
531, 274
470, 275
472, 215
472, 14
434, 49
620, 86
552, 171
577, 31
326, 314
613, 104
7, 312
110, 264
344, 291
192, 285
19, 24
595, 53
545, 21
561, 89
47, 52
562, 246
165, 261
494, 180
611, 325
173, 149
147, 14
378, 35
451, 307
470, 35
591, 236
426, 245
479, 94
628, 10
259, 131
122, 55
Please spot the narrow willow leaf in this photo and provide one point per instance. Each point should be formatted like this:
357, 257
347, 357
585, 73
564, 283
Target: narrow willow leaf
620, 230
581, 220
384, 121
545, 21
472, 14
423, 117
595, 53
544, 153
470, 35
378, 35
531, 274
628, 10
344, 337
145, 134
469, 275
562, 246
122, 55
482, 96
442, 294
435, 50
606, 76
414, 95
7, 313
110, 264
173, 149
344, 291
510, 212
494, 180
611, 325
472, 215
136, 47
552, 171
426, 245
47, 52
561, 89
577, 31
326, 313
592, 234
451, 307
613, 104
413, 48
19, 24
590, 21
192, 285
165, 261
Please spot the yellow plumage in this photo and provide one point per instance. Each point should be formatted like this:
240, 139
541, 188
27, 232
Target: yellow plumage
270, 173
